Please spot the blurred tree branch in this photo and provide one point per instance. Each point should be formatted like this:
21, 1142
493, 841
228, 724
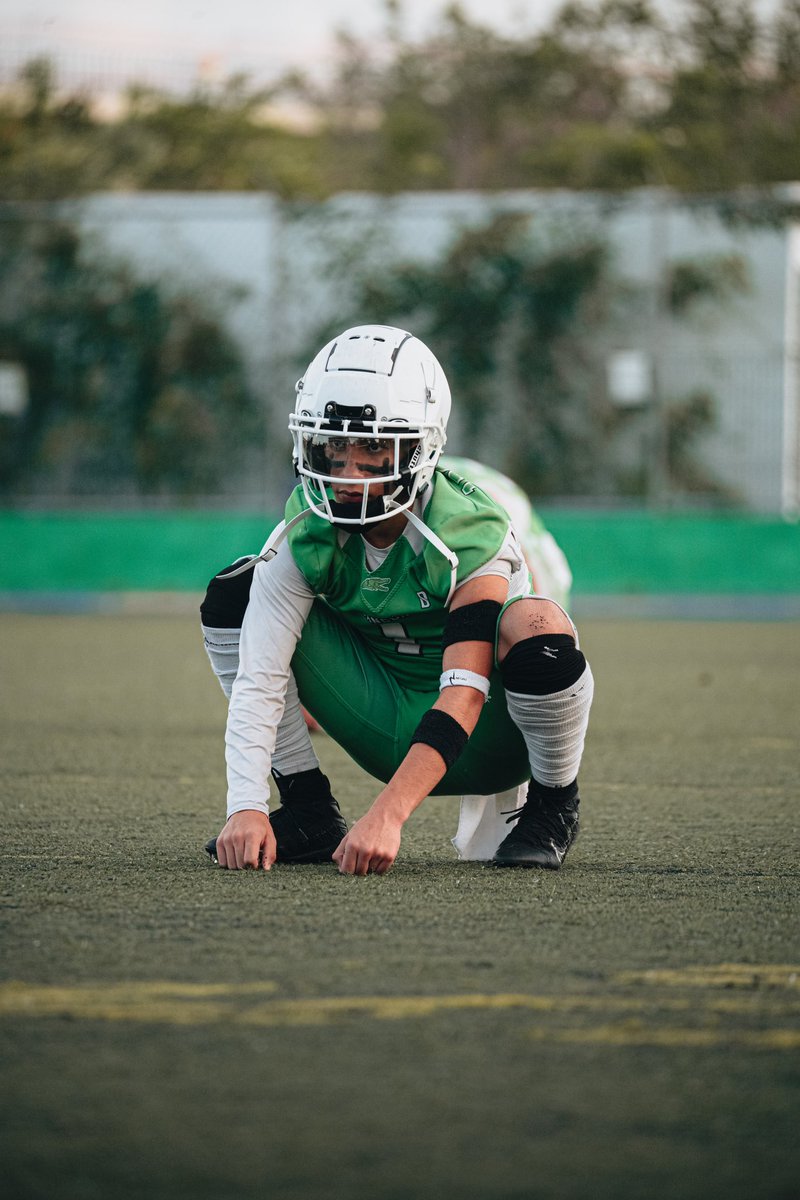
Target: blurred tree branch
608, 96
132, 391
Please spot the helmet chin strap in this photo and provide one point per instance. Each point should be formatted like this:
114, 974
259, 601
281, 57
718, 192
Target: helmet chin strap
378, 507
390, 502
352, 512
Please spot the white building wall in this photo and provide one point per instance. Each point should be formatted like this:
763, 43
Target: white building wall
278, 272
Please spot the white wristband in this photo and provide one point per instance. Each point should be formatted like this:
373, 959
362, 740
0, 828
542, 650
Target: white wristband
458, 678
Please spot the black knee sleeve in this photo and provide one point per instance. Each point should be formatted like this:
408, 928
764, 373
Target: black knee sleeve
226, 600
539, 666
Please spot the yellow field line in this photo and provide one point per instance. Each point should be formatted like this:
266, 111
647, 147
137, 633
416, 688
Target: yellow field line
722, 975
622, 1035
198, 1003
156, 1001
252, 1004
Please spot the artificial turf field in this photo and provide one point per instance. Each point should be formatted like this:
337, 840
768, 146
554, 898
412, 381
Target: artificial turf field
627, 1027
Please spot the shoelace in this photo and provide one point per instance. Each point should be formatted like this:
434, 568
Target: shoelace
533, 820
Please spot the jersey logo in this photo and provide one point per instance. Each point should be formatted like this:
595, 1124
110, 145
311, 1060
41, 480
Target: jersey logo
376, 583
424, 602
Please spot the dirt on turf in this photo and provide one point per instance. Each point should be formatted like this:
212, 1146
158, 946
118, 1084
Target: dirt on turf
625, 1027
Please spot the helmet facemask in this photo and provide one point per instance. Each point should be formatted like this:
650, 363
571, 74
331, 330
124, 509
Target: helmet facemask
382, 467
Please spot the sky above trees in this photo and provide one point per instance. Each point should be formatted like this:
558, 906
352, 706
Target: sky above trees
607, 96
106, 41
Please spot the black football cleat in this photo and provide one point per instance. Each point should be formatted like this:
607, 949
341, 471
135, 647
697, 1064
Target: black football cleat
308, 825
548, 825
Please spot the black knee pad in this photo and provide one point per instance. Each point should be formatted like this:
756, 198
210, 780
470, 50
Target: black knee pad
226, 599
539, 666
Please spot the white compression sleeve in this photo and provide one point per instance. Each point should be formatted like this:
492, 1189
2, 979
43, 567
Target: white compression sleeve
293, 750
222, 648
280, 601
554, 728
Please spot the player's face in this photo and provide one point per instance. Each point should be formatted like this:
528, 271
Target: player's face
358, 469
357, 458
332, 455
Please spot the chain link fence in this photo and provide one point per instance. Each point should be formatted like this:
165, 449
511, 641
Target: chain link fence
150, 360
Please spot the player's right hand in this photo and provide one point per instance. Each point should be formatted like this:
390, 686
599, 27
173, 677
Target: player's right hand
246, 842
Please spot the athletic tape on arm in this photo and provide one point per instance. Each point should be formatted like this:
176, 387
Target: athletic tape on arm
461, 678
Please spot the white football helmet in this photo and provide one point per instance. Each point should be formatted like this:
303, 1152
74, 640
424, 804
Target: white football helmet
370, 419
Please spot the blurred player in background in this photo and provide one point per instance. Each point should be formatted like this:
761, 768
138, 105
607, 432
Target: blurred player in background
546, 561
394, 601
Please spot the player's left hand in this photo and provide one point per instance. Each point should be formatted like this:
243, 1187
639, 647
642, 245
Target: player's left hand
371, 846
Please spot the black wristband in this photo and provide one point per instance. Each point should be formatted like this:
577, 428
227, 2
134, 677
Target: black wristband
443, 733
476, 622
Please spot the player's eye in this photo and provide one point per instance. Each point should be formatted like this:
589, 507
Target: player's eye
337, 444
377, 445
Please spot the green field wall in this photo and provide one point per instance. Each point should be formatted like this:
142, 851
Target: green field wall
609, 552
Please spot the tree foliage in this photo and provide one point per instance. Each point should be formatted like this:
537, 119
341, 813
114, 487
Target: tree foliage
131, 391
523, 318
53, 146
609, 96
511, 318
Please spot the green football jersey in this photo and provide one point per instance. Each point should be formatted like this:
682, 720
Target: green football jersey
399, 608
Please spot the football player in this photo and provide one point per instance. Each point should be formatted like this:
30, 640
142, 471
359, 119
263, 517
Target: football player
395, 604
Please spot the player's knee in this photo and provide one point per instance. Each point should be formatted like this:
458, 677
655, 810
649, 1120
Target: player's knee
529, 617
543, 665
226, 599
